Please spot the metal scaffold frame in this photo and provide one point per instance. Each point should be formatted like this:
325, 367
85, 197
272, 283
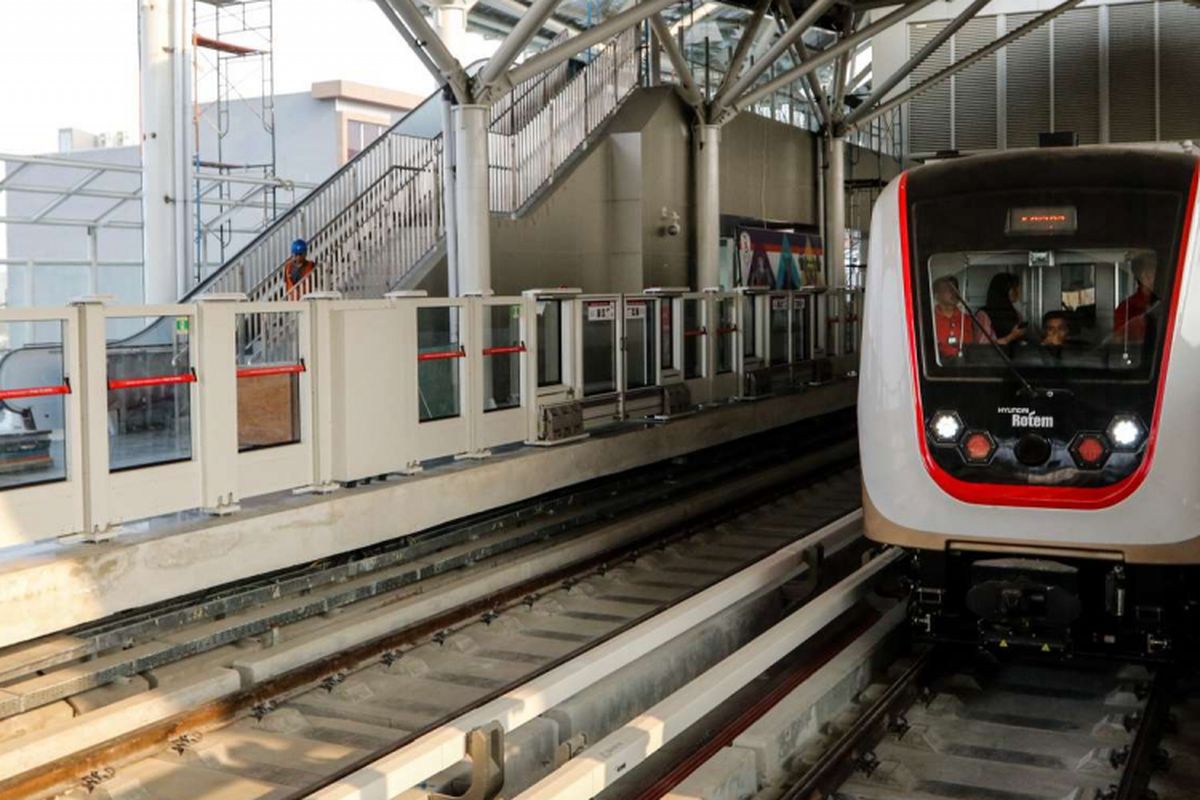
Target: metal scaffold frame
233, 94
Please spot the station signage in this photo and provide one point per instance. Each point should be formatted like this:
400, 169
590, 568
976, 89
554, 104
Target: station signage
601, 310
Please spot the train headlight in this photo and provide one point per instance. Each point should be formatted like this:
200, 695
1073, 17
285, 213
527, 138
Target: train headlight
1126, 432
945, 427
1089, 450
978, 447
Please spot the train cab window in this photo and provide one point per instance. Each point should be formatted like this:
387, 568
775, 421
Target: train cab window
994, 270
986, 308
1040, 317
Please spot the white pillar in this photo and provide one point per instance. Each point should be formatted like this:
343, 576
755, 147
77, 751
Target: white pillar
471, 199
708, 206
835, 214
165, 42
450, 22
449, 198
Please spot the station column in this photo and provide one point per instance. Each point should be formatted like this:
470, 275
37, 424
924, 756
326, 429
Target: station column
708, 206
471, 198
450, 21
835, 214
165, 42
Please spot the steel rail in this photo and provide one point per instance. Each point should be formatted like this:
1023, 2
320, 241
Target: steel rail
547, 516
416, 759
839, 760
617, 754
43, 776
1144, 752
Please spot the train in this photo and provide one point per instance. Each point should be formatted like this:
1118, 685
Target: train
1029, 397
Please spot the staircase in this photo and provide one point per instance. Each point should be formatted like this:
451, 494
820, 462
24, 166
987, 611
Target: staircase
379, 218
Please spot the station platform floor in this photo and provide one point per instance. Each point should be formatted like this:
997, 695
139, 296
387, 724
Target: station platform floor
53, 587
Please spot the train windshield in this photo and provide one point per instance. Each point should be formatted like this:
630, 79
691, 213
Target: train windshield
1061, 287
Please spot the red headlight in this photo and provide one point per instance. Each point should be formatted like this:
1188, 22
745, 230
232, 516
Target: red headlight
1089, 450
977, 447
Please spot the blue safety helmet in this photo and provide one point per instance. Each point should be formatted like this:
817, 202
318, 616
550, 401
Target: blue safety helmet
299, 247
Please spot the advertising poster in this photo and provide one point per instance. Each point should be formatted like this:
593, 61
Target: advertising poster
779, 259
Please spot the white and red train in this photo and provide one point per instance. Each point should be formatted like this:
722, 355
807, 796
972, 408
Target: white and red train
1029, 402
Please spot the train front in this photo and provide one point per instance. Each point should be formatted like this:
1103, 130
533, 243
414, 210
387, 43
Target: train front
1019, 425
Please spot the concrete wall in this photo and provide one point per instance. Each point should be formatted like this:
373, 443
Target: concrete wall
601, 227
768, 170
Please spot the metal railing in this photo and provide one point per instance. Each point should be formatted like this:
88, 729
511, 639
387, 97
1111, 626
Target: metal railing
366, 227
523, 162
379, 216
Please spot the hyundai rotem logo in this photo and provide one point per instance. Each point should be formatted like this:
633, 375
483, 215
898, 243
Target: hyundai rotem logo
1027, 418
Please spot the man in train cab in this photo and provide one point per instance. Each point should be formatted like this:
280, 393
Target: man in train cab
1129, 320
954, 327
1056, 328
297, 271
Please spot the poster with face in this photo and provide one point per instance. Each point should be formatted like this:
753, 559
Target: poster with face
780, 259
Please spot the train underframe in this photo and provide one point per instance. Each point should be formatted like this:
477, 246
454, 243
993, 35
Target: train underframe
1056, 605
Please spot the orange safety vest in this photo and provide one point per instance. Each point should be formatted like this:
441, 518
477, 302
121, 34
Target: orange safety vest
295, 274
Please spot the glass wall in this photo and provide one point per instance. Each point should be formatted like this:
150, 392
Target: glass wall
268, 373
640, 344
439, 362
149, 393
502, 348
599, 347
693, 339
549, 340
32, 405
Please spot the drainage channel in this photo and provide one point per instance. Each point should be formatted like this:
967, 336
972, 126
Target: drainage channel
179, 707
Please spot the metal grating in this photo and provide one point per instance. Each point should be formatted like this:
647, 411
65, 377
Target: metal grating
1180, 65
975, 88
1131, 72
929, 113
1077, 74
1027, 91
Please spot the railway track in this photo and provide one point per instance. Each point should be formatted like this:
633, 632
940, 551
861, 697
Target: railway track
941, 724
268, 691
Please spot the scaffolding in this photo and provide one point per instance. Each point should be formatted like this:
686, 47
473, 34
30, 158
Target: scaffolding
234, 124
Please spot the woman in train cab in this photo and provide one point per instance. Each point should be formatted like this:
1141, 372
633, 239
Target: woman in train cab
1004, 291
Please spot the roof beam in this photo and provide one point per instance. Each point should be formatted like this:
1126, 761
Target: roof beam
883, 87
553, 56
794, 32
428, 46
800, 50
517, 40
689, 90
829, 54
749, 35
965, 62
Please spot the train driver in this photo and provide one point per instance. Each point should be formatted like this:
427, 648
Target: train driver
1129, 320
953, 325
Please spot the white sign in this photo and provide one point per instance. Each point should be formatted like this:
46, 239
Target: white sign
635, 309
779, 303
603, 311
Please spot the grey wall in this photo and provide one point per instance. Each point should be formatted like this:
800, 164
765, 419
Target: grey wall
600, 227
768, 170
1112, 72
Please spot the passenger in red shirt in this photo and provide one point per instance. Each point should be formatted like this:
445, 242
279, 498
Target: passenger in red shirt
1129, 320
953, 326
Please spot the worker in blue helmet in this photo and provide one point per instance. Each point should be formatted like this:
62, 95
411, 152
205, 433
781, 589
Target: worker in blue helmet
297, 271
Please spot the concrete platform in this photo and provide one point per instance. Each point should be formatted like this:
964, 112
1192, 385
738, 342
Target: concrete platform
56, 586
